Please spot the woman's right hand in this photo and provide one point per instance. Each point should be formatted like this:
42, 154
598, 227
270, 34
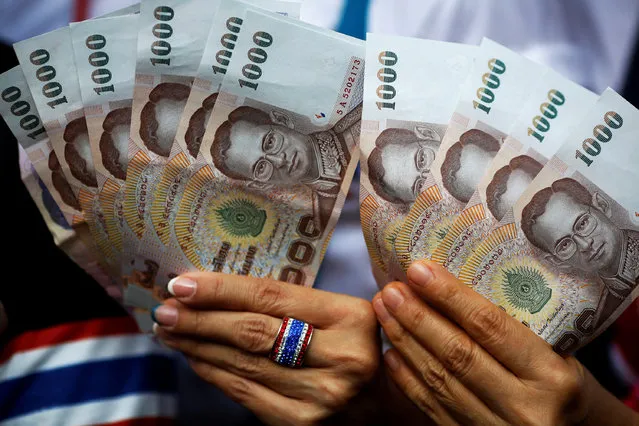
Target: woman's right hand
227, 324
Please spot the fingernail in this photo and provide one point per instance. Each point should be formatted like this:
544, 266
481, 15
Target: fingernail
165, 315
420, 274
182, 287
392, 298
380, 310
391, 360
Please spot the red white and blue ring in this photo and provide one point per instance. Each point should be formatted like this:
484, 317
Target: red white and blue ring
291, 343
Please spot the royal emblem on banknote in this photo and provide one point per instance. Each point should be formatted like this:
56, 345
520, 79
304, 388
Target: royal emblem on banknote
525, 288
241, 217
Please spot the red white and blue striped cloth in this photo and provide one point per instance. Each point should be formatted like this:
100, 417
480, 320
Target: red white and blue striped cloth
71, 355
98, 372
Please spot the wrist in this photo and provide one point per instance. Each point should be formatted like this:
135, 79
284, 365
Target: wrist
603, 407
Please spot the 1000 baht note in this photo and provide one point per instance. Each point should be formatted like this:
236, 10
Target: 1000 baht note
60, 229
280, 152
566, 262
225, 31
411, 89
46, 183
497, 86
20, 113
104, 53
554, 108
171, 38
48, 66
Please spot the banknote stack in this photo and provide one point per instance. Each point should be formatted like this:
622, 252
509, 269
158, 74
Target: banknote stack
223, 135
517, 180
191, 135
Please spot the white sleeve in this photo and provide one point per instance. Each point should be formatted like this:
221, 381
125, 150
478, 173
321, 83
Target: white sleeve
323, 13
588, 41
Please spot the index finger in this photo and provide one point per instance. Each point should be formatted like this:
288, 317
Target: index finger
513, 344
211, 290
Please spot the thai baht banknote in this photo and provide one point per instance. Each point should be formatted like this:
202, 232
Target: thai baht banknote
224, 34
553, 109
495, 91
280, 151
565, 261
411, 89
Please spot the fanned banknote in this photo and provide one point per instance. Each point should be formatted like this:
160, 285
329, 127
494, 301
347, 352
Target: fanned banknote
47, 184
411, 89
104, 53
553, 109
224, 34
280, 152
20, 113
497, 86
171, 39
48, 65
49, 209
566, 261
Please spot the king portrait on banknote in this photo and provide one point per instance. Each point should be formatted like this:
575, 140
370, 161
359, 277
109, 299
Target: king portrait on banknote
265, 150
574, 227
461, 167
509, 182
398, 164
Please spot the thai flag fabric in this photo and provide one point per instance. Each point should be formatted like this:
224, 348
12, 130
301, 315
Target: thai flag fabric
97, 372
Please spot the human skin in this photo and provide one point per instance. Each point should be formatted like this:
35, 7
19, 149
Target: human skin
226, 325
454, 356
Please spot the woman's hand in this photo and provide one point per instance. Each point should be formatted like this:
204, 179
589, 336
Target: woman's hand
462, 360
227, 325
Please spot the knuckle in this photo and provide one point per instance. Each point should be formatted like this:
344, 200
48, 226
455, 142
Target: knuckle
239, 390
269, 295
310, 416
246, 365
436, 378
368, 365
418, 318
446, 291
359, 363
214, 285
362, 314
422, 399
398, 335
568, 383
199, 323
347, 359
487, 322
251, 333
335, 392
458, 355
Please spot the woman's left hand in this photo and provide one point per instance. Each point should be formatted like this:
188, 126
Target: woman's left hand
462, 360
227, 325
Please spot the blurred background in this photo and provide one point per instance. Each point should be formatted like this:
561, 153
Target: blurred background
593, 42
